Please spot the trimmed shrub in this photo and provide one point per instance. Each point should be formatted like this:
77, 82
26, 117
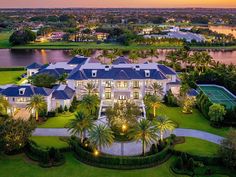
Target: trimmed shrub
191, 164
179, 163
46, 157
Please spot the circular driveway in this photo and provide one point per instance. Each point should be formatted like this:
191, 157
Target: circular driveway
133, 148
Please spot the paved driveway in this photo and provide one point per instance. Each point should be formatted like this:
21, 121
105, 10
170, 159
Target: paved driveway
132, 148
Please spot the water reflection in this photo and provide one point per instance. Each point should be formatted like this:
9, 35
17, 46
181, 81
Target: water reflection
224, 29
25, 57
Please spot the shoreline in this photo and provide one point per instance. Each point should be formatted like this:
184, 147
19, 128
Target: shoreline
114, 46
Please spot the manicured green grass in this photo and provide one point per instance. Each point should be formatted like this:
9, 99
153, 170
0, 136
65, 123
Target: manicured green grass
9, 77
59, 121
198, 147
18, 166
191, 121
92, 45
4, 37
49, 141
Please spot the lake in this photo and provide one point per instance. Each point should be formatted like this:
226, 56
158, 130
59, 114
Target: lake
224, 29
9, 58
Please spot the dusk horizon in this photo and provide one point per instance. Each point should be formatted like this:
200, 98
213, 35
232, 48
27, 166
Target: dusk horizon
118, 4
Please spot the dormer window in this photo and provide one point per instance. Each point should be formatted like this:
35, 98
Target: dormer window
137, 68
94, 73
107, 68
22, 91
147, 73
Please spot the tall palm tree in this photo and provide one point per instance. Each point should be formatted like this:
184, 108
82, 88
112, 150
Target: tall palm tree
80, 124
37, 103
201, 60
4, 104
157, 89
153, 101
90, 104
144, 131
101, 136
164, 124
173, 58
90, 88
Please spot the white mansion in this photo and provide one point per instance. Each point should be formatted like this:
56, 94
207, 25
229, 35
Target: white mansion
120, 80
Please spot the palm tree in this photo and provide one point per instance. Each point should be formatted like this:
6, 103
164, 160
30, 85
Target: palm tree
90, 88
4, 104
164, 124
173, 58
144, 131
37, 103
80, 124
152, 101
62, 78
101, 136
90, 104
157, 89
201, 60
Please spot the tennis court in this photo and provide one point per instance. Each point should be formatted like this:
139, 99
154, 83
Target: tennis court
218, 94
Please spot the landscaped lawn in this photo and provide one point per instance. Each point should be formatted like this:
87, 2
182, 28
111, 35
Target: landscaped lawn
4, 37
93, 45
9, 77
59, 121
18, 166
191, 121
49, 141
198, 147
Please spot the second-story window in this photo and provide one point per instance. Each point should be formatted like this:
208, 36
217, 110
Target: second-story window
136, 84
108, 84
122, 84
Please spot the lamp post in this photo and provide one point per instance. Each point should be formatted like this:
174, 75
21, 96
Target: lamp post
124, 128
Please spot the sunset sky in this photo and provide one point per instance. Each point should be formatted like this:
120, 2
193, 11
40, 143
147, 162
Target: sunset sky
116, 3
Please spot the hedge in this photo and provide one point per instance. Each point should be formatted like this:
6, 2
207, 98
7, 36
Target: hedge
211, 165
208, 160
13, 69
47, 157
120, 162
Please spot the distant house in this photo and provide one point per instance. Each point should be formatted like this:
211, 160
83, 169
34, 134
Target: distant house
56, 36
187, 36
101, 36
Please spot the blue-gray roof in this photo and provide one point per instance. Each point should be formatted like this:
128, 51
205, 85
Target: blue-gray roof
77, 60
166, 70
63, 92
34, 66
29, 90
116, 74
54, 72
192, 92
121, 60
